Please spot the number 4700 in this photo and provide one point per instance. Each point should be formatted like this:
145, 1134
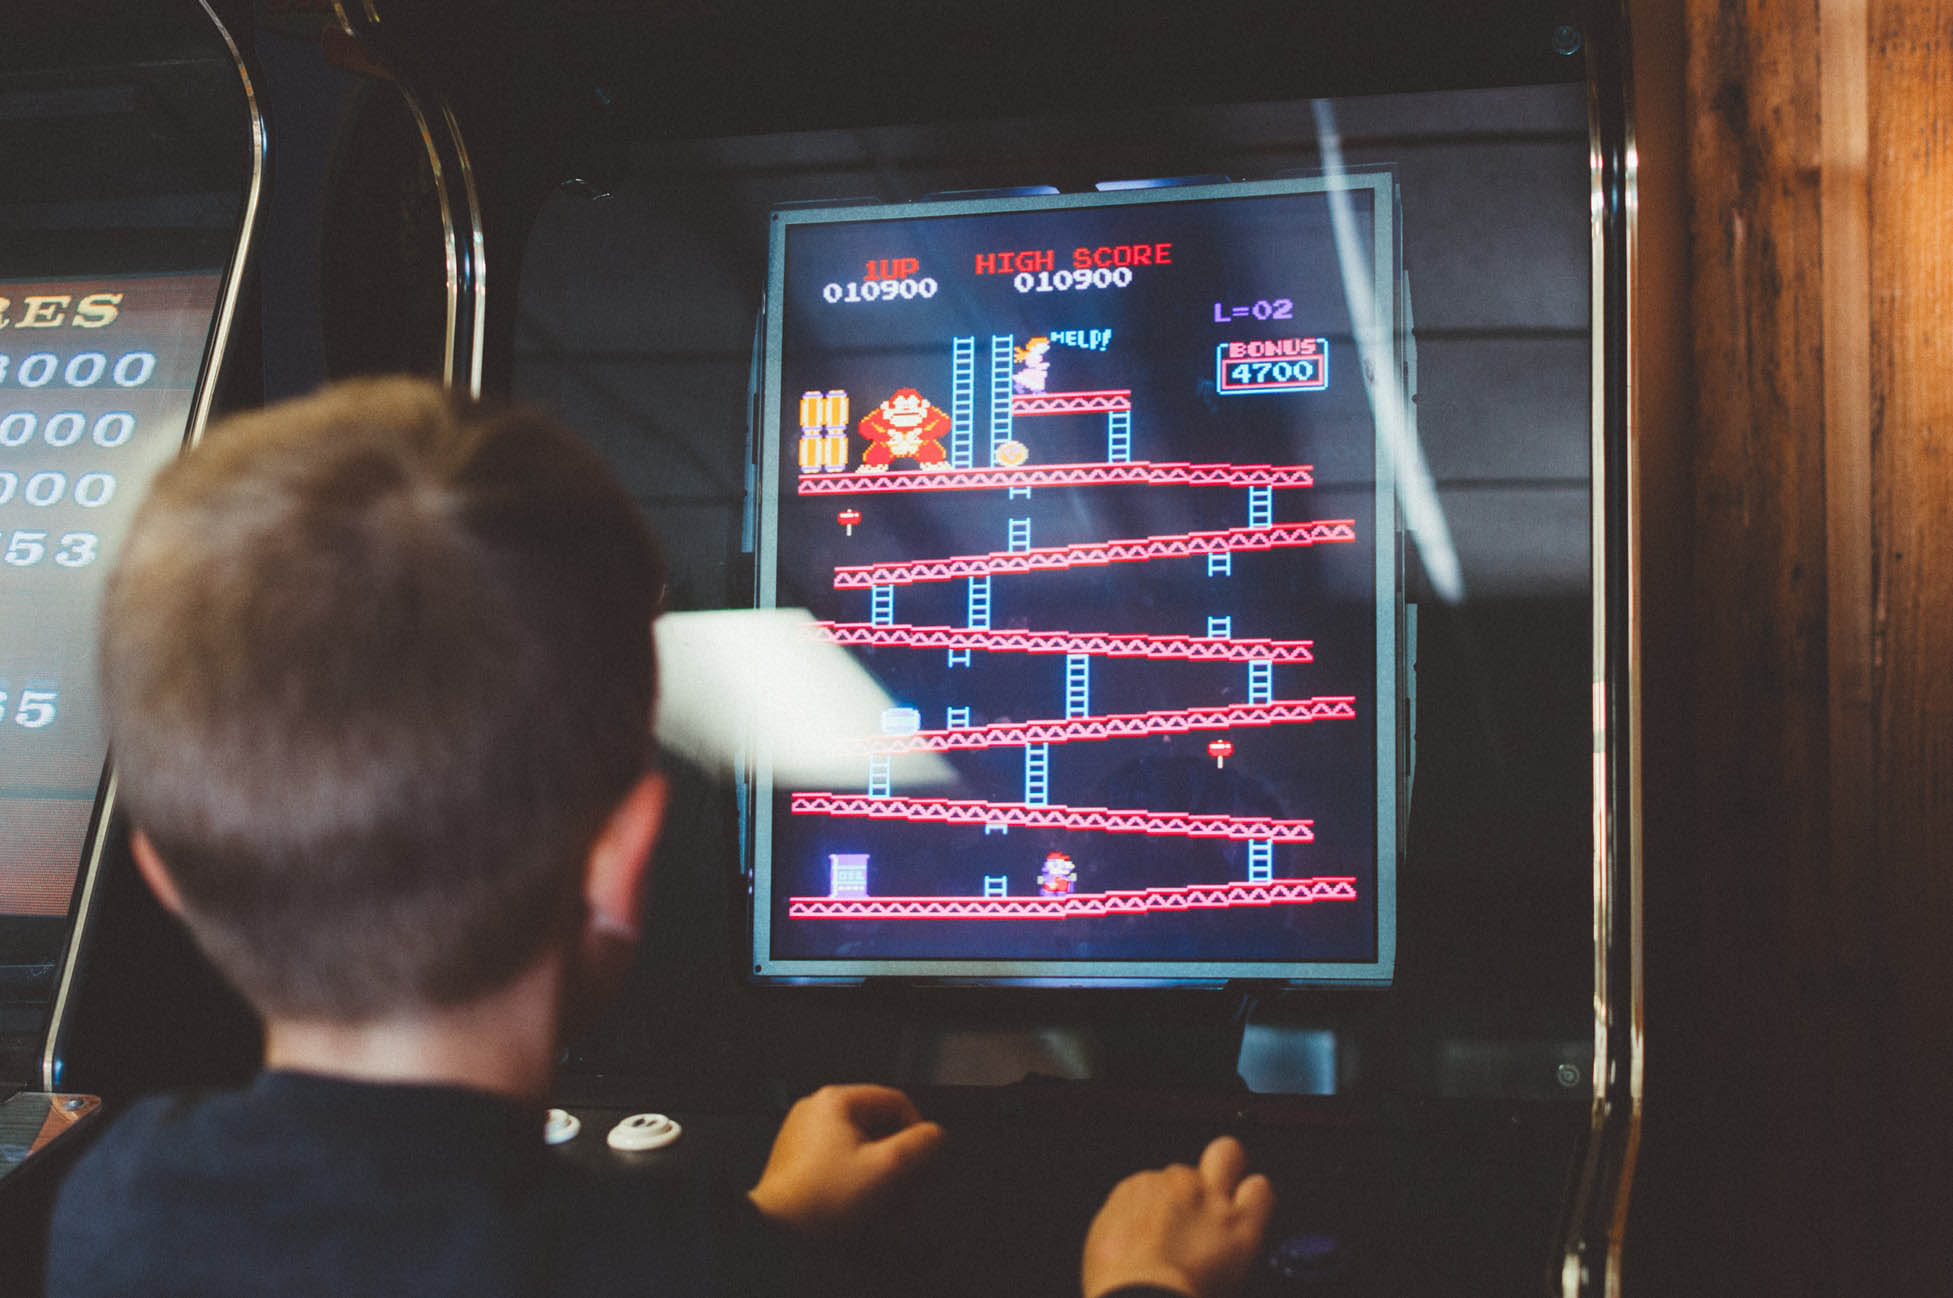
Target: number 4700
35, 709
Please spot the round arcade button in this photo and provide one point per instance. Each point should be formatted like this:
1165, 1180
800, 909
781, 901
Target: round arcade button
643, 1131
561, 1126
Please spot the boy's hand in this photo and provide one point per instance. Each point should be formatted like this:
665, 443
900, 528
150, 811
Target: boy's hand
1181, 1228
840, 1150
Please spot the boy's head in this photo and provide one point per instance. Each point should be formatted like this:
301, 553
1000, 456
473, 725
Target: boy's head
378, 666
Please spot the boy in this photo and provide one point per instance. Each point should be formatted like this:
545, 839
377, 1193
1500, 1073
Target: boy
379, 678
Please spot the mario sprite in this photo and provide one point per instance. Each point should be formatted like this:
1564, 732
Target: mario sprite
904, 427
1058, 876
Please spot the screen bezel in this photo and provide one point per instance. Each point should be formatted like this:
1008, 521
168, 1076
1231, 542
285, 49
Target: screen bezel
757, 817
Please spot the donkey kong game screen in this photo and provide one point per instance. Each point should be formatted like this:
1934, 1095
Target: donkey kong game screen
1093, 485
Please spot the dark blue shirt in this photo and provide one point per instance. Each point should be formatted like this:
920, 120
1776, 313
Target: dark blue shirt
303, 1185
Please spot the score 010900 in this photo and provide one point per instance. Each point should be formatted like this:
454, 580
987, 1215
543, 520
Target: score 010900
880, 290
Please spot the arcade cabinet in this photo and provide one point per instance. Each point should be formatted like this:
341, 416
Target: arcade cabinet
134, 152
1192, 449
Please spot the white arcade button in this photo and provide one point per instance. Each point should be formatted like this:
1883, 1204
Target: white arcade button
561, 1126
643, 1131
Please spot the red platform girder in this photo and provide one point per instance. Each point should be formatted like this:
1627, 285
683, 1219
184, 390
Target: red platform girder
998, 477
1172, 721
1106, 402
1104, 644
1090, 553
1081, 905
1018, 815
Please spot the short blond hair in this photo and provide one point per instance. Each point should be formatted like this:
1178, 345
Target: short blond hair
377, 665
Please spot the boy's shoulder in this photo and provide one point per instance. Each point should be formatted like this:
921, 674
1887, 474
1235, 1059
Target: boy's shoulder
145, 1140
297, 1138
295, 1185
303, 1185
285, 1124
120, 1216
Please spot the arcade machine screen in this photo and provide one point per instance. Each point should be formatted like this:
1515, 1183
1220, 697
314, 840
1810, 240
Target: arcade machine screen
1100, 488
97, 382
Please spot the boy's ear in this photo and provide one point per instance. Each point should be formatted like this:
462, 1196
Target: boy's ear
149, 864
619, 863
614, 876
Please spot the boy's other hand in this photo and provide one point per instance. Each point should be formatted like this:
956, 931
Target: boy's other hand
839, 1150
1192, 1230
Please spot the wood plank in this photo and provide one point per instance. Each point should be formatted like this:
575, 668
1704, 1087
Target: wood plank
1910, 194
1728, 921
1844, 103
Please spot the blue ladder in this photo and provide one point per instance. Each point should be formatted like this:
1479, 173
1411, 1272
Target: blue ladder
979, 619
1001, 367
1118, 437
962, 402
1261, 506
1261, 860
1037, 774
1078, 685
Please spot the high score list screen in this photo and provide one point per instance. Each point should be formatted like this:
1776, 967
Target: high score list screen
1091, 486
97, 379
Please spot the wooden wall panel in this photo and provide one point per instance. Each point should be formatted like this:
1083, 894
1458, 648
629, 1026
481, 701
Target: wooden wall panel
1910, 187
1800, 919
1731, 908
